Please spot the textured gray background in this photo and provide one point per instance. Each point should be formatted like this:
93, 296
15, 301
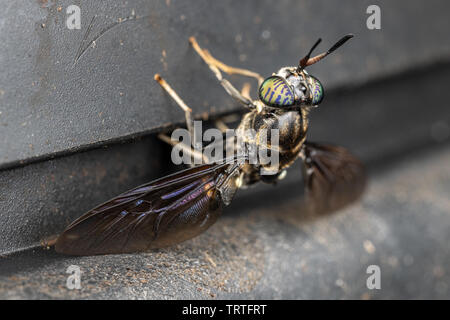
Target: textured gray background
74, 133
50, 104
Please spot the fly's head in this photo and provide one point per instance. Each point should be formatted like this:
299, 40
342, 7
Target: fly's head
289, 88
293, 87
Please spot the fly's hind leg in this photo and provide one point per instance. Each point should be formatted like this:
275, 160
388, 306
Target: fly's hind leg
198, 156
216, 65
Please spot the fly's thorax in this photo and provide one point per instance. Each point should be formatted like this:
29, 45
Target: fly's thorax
279, 131
291, 127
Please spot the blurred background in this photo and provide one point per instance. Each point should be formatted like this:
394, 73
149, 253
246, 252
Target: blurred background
79, 111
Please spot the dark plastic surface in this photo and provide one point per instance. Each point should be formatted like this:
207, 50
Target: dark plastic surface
64, 90
386, 99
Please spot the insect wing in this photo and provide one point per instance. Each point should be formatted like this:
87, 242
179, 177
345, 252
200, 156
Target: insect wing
158, 214
333, 176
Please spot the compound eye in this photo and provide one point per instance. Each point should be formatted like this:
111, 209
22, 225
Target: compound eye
275, 92
317, 91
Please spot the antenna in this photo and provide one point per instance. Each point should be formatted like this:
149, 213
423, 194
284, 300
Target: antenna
304, 61
307, 61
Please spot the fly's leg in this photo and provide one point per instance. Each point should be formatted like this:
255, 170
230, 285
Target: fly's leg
221, 125
215, 66
198, 156
231, 143
193, 153
210, 60
245, 91
179, 101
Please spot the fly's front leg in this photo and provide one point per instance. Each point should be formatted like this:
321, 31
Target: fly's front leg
193, 153
215, 66
245, 91
210, 60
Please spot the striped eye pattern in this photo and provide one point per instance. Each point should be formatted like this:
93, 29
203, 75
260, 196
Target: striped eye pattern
317, 91
275, 92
